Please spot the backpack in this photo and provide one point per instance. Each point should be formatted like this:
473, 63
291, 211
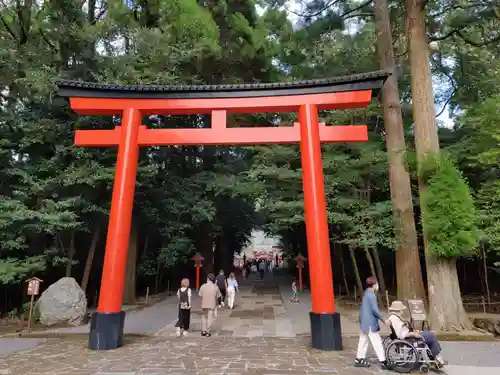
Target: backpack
184, 299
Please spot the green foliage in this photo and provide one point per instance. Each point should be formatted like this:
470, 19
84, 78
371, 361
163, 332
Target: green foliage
476, 146
14, 270
449, 216
484, 143
488, 202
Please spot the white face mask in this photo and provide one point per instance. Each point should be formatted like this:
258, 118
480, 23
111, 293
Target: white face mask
375, 288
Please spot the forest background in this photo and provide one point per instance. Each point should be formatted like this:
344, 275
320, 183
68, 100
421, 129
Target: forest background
384, 197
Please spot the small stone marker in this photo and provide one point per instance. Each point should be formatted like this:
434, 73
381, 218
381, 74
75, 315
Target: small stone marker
417, 311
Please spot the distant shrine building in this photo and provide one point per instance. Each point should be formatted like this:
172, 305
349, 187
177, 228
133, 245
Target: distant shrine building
261, 246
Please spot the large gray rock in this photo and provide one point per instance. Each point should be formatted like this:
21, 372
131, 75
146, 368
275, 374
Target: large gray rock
63, 302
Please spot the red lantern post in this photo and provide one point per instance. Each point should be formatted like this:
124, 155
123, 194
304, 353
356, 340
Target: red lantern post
300, 259
198, 260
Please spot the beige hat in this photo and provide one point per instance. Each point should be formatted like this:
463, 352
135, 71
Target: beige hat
397, 306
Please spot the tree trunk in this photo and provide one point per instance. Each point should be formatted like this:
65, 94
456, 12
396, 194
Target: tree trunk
446, 311
379, 275
356, 270
481, 277
486, 282
424, 111
90, 257
144, 252
464, 275
410, 283
372, 269
205, 247
130, 275
370, 261
71, 254
446, 307
157, 277
226, 256
342, 265
218, 263
380, 272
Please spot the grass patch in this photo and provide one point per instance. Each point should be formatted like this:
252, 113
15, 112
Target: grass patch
450, 336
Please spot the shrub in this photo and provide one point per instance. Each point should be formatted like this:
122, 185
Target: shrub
449, 216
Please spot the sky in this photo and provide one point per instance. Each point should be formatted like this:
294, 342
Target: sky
293, 8
445, 118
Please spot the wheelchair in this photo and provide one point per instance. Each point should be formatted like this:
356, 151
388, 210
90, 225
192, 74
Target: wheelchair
405, 356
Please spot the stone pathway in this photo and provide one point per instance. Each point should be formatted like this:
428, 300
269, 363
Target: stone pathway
192, 355
258, 312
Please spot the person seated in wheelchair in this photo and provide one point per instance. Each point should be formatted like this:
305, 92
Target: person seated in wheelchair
403, 330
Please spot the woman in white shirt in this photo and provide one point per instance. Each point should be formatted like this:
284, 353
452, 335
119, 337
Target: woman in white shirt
402, 330
232, 287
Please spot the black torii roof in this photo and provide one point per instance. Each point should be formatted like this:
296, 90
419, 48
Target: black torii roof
357, 82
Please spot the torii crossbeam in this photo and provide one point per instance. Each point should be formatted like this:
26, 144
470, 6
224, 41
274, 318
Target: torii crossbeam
135, 101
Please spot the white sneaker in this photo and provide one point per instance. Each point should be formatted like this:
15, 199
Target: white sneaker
184, 333
178, 333
441, 361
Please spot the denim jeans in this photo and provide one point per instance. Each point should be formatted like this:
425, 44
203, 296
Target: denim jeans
432, 342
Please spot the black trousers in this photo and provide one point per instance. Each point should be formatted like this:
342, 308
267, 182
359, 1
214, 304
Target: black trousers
223, 293
184, 319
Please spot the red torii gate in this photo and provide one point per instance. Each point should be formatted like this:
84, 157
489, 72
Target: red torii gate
133, 102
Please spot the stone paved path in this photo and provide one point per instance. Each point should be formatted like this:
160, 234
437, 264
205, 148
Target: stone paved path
192, 355
258, 312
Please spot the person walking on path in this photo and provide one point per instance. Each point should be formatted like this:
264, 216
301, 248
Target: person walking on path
221, 282
369, 323
184, 297
210, 294
232, 288
262, 269
295, 297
